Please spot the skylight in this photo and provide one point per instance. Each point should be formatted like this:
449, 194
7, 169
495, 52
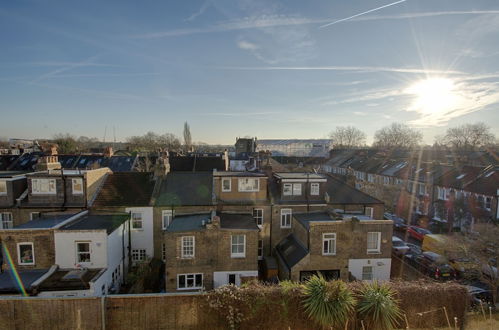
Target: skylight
460, 176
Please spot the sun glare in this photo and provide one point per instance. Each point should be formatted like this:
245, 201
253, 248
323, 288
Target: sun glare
434, 96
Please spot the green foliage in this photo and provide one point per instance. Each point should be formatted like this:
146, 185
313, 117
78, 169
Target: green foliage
289, 286
328, 303
378, 307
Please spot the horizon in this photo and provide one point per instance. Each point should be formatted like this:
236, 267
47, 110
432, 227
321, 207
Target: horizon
275, 69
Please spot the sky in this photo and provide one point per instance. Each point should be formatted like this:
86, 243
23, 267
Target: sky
234, 68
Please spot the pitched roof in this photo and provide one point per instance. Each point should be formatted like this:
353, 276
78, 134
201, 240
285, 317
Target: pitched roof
487, 183
186, 189
458, 178
6, 161
341, 193
126, 189
291, 250
306, 218
8, 283
196, 163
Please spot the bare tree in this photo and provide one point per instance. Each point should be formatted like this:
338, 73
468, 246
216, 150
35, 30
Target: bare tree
397, 136
468, 137
66, 143
187, 137
152, 142
348, 137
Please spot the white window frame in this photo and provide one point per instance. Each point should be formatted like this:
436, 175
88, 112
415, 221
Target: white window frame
315, 189
370, 177
422, 189
186, 243
287, 189
164, 215
258, 217
6, 218
369, 211
76, 182
34, 215
136, 220
260, 249
297, 189
191, 276
285, 213
230, 184
243, 185
78, 252
329, 244
3, 187
139, 255
370, 274
377, 249
237, 244
441, 193
19, 254
36, 186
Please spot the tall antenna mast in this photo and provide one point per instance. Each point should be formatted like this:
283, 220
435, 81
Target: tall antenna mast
105, 131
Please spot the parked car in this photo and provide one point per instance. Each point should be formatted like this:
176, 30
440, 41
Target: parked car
399, 247
399, 224
417, 233
465, 267
433, 265
413, 249
479, 295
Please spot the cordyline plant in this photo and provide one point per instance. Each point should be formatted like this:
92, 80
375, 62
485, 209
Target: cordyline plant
377, 306
331, 304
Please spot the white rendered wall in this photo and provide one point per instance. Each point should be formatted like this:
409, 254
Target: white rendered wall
65, 248
222, 278
381, 268
143, 238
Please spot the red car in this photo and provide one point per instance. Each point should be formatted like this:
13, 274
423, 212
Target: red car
417, 232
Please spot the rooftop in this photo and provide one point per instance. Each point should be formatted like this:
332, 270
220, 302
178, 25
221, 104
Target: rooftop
8, 283
98, 222
291, 250
300, 175
58, 282
126, 189
239, 174
341, 193
45, 221
237, 221
186, 188
306, 218
191, 222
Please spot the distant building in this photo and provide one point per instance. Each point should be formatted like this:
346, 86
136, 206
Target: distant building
296, 148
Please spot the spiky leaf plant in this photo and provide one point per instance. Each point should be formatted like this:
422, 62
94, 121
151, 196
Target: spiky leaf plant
378, 307
329, 303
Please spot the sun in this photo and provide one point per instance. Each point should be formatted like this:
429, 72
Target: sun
434, 96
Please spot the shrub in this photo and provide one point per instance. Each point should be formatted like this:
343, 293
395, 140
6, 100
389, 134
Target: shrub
377, 306
328, 303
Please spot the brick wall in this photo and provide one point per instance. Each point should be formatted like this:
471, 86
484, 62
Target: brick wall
235, 194
43, 247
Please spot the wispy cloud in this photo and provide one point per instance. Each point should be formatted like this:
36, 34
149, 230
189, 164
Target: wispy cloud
200, 12
64, 69
246, 45
363, 13
242, 114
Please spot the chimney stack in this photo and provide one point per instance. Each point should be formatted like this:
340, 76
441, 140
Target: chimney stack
49, 161
108, 151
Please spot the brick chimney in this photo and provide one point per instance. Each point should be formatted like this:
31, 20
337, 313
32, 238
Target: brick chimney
49, 161
162, 167
108, 152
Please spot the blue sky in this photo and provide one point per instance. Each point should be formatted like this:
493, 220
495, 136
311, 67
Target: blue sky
265, 68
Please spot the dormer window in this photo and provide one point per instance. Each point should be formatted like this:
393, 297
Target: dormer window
226, 186
314, 189
249, 185
77, 186
43, 186
3, 187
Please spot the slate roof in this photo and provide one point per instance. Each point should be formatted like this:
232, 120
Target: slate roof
487, 183
26, 162
186, 189
306, 218
8, 284
458, 178
45, 222
237, 221
196, 163
115, 163
191, 222
239, 174
126, 189
6, 161
97, 222
341, 193
291, 251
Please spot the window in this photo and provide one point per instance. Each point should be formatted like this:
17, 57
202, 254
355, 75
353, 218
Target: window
238, 246
329, 244
373, 242
166, 218
367, 273
139, 255
296, 189
226, 186
422, 189
6, 220
287, 189
488, 203
77, 186
34, 215
82, 252
25, 254
249, 185
441, 193
286, 218
260, 249
163, 252
3, 187
43, 186
231, 279
258, 216
386, 180
136, 220
369, 211
314, 189
370, 177
189, 281
188, 246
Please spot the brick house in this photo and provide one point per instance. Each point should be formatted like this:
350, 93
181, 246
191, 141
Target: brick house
337, 246
205, 251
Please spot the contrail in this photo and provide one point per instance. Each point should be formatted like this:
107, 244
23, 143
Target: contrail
366, 12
